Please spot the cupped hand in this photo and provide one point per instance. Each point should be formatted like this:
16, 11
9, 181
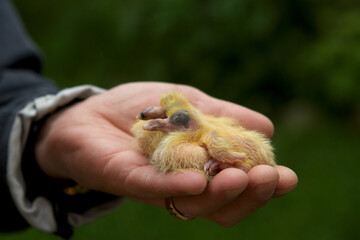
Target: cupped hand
90, 142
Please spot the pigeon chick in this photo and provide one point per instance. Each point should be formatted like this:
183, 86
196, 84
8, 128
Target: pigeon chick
177, 136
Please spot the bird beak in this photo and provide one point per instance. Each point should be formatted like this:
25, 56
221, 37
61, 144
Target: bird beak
152, 113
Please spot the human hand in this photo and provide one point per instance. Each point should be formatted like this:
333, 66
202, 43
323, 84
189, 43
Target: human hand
90, 143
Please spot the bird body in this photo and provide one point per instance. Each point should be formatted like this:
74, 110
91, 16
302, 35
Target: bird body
178, 136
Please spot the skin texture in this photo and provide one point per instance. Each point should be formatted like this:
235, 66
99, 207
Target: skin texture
90, 142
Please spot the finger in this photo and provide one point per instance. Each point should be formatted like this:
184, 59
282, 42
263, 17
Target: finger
287, 182
148, 182
248, 118
222, 189
262, 184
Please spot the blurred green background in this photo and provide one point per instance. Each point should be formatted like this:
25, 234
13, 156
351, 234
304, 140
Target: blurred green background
296, 61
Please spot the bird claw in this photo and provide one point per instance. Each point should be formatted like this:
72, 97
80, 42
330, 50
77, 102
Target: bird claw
213, 167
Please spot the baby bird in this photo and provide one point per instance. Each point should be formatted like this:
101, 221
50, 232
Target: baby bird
177, 136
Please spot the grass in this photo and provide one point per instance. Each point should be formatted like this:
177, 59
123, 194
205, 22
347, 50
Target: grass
325, 204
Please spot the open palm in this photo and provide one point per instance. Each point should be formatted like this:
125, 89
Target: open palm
90, 142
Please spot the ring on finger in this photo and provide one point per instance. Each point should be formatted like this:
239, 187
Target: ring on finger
170, 207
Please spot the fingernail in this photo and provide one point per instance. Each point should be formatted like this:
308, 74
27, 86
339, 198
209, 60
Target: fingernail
265, 191
230, 195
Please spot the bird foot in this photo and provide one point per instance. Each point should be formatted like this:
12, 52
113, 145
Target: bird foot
213, 167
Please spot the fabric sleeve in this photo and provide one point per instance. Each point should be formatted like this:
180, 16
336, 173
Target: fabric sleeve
20, 65
45, 206
27, 195
17, 87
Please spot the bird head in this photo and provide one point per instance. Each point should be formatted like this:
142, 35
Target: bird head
175, 113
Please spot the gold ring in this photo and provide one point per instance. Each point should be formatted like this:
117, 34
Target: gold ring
169, 203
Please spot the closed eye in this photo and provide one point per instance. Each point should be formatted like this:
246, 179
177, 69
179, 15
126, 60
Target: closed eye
180, 118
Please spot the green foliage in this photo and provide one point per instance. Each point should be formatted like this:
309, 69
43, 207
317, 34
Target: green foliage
257, 53
297, 58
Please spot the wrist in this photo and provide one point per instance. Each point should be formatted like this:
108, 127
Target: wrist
47, 148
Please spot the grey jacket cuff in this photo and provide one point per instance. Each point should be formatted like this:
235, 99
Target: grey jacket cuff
40, 212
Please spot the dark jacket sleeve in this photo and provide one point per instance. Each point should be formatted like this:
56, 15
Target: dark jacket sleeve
20, 82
